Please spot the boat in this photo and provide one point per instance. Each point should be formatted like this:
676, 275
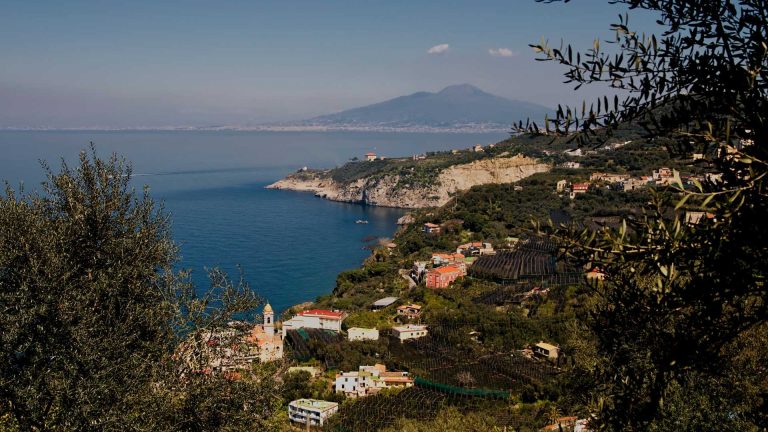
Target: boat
360, 221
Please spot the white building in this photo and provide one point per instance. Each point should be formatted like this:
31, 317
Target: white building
561, 185
314, 411
358, 334
369, 380
546, 350
315, 319
409, 331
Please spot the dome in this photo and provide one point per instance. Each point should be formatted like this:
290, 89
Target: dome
268, 309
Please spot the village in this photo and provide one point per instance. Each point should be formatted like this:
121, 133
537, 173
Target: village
232, 351
528, 264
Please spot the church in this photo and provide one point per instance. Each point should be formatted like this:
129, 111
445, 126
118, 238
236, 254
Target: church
266, 343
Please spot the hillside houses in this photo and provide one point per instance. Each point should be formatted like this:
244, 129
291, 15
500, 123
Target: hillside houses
665, 176
608, 178
475, 249
370, 380
440, 259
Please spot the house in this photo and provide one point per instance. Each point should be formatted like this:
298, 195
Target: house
409, 331
316, 319
359, 333
442, 277
369, 380
439, 259
578, 188
561, 185
475, 248
571, 165
311, 411
382, 303
608, 178
577, 152
478, 148
431, 228
370, 157
631, 184
264, 341
410, 311
548, 351
664, 176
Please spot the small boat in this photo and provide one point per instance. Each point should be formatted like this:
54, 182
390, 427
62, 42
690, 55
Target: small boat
360, 221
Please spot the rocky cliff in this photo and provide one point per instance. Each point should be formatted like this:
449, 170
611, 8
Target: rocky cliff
395, 191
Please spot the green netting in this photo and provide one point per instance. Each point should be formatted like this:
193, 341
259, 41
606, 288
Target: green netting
303, 333
445, 388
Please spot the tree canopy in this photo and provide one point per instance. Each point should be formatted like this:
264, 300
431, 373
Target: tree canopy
93, 312
681, 297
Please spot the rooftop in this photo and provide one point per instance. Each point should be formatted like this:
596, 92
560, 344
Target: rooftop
323, 313
386, 301
410, 327
314, 403
546, 346
446, 269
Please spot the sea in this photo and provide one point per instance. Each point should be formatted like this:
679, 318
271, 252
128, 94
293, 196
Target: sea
289, 246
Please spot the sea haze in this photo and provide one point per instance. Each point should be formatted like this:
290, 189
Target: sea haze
289, 245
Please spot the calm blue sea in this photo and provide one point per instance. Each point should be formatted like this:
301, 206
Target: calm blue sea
289, 245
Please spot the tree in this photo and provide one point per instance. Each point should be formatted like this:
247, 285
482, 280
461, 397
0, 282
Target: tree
92, 310
678, 295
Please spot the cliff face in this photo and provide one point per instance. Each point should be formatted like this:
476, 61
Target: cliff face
389, 191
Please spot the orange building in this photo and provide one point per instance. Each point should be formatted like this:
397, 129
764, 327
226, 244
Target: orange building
442, 277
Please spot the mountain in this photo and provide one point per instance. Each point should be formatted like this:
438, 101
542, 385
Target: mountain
455, 107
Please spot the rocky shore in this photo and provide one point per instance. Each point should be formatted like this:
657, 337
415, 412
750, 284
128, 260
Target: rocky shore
387, 190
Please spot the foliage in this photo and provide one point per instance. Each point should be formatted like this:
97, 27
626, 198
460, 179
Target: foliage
448, 420
92, 313
678, 294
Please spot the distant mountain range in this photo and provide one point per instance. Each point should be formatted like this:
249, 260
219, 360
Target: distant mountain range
458, 107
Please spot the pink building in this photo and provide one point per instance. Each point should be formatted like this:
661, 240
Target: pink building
442, 277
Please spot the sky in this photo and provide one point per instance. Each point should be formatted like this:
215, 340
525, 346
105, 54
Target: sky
157, 63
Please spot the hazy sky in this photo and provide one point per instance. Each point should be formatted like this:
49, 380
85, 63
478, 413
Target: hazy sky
160, 63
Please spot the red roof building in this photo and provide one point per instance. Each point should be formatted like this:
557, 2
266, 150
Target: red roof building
442, 277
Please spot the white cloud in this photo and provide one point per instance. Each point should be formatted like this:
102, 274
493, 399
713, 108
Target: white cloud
438, 49
501, 52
